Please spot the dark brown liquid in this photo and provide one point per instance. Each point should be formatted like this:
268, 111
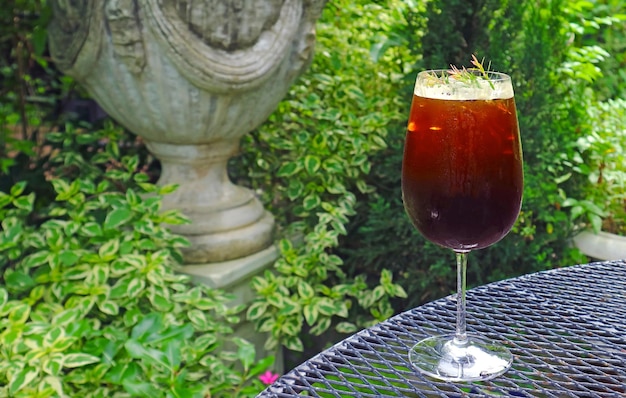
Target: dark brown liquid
462, 177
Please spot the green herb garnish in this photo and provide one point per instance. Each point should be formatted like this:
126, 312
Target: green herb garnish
467, 76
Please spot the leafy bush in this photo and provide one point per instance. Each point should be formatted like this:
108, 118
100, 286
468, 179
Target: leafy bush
530, 42
601, 23
602, 160
310, 161
30, 87
91, 304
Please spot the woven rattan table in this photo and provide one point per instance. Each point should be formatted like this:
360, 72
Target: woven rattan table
566, 329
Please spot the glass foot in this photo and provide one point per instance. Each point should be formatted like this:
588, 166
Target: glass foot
447, 358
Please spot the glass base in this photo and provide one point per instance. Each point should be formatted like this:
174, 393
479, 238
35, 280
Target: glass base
447, 358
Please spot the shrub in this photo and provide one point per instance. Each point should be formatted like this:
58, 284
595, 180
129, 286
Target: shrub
91, 304
601, 160
310, 163
530, 42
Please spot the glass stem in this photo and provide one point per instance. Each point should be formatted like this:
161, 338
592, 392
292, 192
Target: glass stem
461, 271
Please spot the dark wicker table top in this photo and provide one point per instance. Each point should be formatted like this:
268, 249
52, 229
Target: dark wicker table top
566, 329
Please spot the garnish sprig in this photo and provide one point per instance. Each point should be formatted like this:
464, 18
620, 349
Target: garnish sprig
467, 76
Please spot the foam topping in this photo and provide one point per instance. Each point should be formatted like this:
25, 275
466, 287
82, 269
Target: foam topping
459, 90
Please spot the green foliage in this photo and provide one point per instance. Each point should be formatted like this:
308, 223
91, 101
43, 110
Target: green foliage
602, 161
601, 23
532, 42
311, 161
91, 304
30, 87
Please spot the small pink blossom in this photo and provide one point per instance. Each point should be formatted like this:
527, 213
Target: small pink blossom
269, 377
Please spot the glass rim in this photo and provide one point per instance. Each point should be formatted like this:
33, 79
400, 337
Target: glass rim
493, 75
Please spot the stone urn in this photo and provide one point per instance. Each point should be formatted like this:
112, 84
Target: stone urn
191, 77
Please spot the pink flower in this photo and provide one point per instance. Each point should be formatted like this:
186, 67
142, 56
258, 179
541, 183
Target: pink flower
269, 377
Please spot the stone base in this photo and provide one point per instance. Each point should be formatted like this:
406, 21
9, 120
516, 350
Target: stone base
234, 277
217, 250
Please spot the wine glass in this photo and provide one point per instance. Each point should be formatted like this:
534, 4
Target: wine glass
462, 183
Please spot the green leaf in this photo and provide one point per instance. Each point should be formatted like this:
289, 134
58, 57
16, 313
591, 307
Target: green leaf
596, 222
117, 218
295, 189
285, 246
310, 313
91, 229
53, 335
256, 310
326, 307
312, 164
333, 166
265, 324
109, 307
67, 316
322, 325
141, 389
78, 272
288, 169
18, 188
246, 352
135, 287
149, 323
173, 217
132, 198
305, 290
65, 190
4, 297
173, 353
346, 327
109, 249
289, 307
78, 359
18, 281
261, 366
386, 277
259, 283
399, 291
294, 343
128, 263
167, 189
68, 257
198, 318
276, 300
311, 202
150, 356
25, 202
36, 259
52, 364
22, 379
54, 237
4, 199
160, 302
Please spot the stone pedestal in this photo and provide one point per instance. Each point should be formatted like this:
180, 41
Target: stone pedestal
227, 221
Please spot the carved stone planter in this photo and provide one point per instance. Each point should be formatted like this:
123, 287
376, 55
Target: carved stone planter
191, 78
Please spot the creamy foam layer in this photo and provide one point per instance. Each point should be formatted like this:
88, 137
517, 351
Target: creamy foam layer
455, 90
